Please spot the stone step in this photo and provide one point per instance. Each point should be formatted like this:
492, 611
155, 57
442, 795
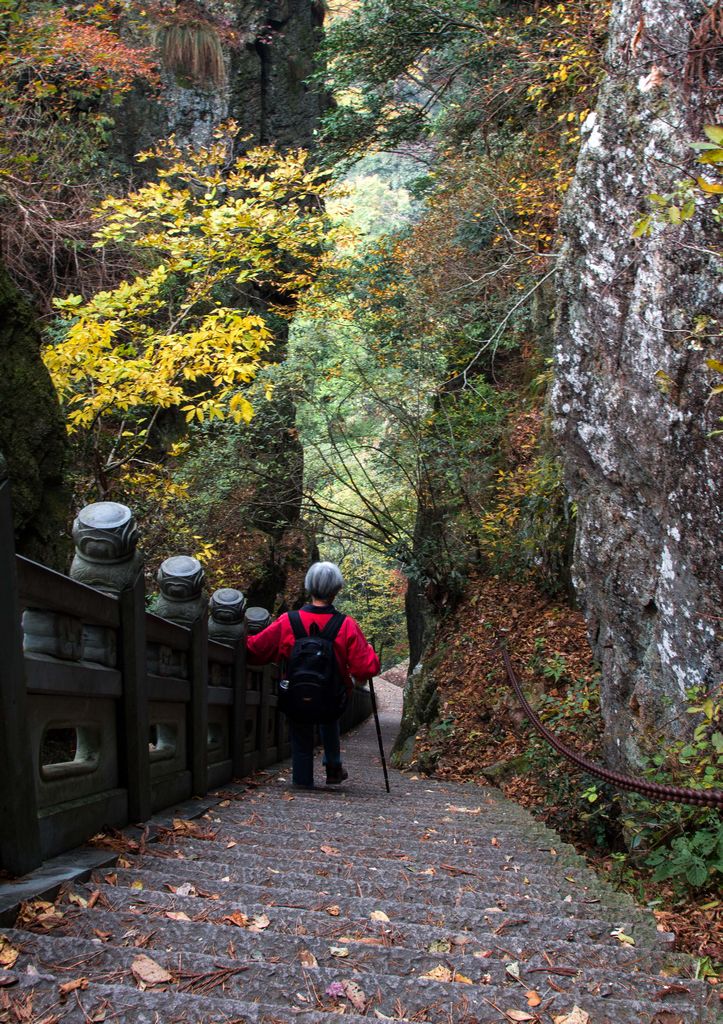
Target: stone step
39, 995
458, 861
509, 882
314, 891
367, 950
461, 917
512, 893
518, 943
280, 984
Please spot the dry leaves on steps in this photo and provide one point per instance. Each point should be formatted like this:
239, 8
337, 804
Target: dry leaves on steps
72, 986
307, 958
148, 973
442, 973
355, 995
575, 1016
379, 915
181, 827
8, 953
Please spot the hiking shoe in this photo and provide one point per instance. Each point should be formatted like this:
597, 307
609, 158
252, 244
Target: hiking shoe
335, 774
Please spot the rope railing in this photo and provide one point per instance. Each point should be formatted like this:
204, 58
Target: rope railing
652, 790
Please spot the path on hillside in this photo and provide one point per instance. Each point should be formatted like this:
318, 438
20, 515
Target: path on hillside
441, 903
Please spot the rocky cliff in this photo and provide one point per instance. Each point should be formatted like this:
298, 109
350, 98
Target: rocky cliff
222, 59
32, 432
632, 390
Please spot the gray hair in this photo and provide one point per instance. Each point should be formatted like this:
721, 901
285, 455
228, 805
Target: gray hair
324, 581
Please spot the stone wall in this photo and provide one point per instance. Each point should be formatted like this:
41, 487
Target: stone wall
632, 389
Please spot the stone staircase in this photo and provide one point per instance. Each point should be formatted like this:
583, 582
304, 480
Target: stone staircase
440, 903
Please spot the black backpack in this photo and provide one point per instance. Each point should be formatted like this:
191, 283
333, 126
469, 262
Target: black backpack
315, 691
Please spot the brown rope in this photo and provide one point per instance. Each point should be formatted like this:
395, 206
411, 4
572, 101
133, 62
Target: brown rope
653, 790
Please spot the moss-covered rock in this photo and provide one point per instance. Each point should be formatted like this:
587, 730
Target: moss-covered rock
32, 433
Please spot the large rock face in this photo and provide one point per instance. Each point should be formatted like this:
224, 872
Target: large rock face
32, 433
632, 389
265, 89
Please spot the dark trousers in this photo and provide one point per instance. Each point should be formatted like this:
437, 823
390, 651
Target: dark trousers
302, 750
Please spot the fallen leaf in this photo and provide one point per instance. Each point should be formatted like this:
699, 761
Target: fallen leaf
230, 845
533, 998
188, 828
186, 889
225, 803
482, 954
7, 978
439, 973
379, 915
103, 936
111, 879
440, 946
513, 970
334, 911
575, 1016
463, 810
148, 971
72, 986
355, 995
365, 940
137, 884
340, 951
259, 922
494, 841
79, 901
8, 953
177, 915
619, 934
307, 959
519, 1015
237, 918
330, 851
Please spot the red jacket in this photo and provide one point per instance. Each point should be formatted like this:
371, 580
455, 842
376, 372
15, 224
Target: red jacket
354, 654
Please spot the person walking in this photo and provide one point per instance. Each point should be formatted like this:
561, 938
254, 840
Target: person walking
354, 656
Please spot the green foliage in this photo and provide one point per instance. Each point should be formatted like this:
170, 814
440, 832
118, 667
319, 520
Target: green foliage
693, 859
683, 844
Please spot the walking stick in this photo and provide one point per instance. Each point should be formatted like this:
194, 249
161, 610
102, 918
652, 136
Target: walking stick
379, 729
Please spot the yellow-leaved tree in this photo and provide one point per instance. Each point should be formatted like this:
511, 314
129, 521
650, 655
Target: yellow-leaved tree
210, 235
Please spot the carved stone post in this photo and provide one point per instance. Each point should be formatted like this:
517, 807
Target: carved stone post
258, 619
226, 624
106, 557
19, 834
183, 601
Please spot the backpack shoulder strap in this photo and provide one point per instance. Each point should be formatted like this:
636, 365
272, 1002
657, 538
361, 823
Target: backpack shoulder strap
331, 629
297, 625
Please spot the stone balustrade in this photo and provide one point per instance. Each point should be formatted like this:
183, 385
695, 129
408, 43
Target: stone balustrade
110, 712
